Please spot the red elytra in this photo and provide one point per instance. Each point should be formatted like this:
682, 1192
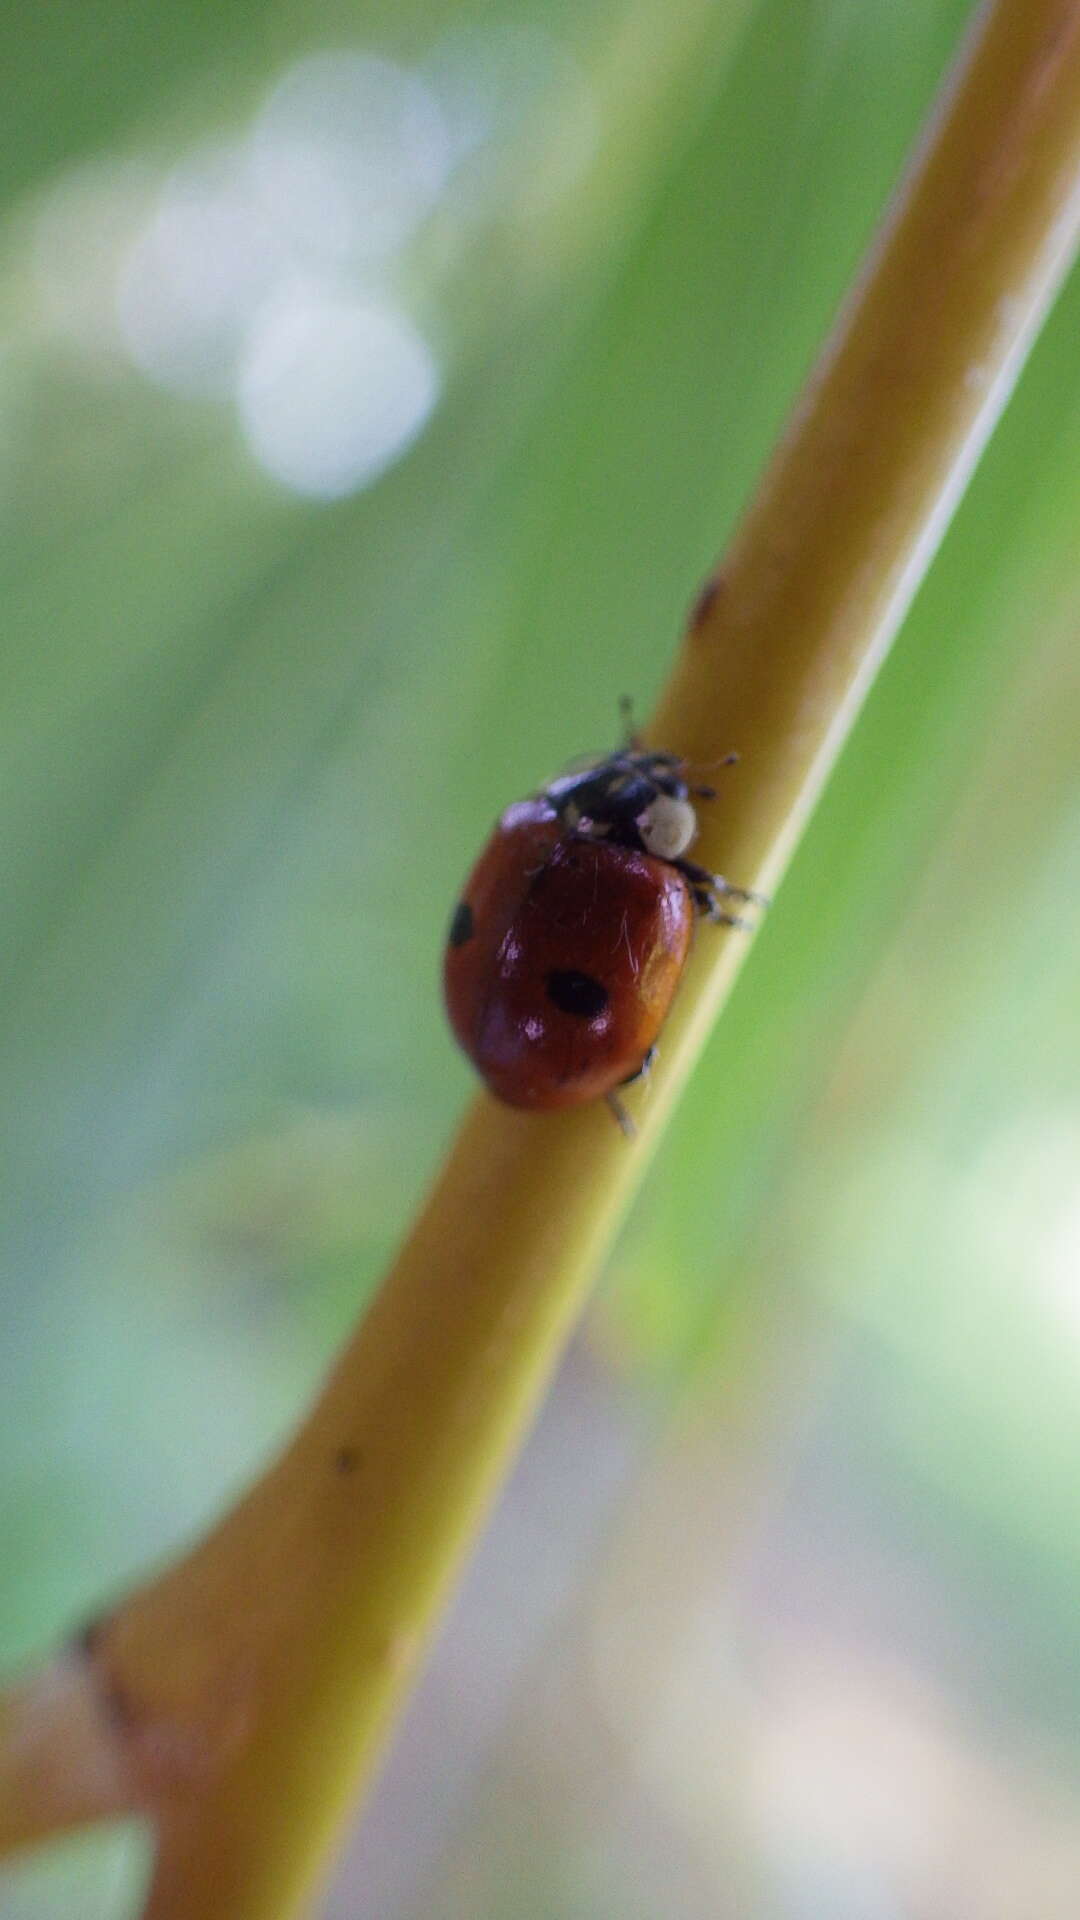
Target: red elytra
572, 956
573, 929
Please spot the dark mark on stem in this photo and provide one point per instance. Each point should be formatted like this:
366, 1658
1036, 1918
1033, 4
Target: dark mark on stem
705, 602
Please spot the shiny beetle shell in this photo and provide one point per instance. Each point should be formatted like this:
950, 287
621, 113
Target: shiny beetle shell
570, 936
564, 957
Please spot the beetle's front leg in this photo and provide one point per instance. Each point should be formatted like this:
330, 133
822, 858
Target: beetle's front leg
701, 880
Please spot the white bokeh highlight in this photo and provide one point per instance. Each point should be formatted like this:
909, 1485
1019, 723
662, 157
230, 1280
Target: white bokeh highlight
349, 154
331, 391
201, 267
266, 271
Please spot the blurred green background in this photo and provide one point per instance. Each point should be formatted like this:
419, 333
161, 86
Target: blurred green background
379, 382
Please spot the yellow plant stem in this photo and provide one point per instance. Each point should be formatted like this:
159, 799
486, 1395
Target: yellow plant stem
242, 1697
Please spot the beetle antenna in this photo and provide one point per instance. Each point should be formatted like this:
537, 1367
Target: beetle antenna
709, 766
709, 793
626, 717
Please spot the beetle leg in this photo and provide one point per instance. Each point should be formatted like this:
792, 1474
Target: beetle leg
622, 1118
709, 906
701, 878
711, 909
642, 1072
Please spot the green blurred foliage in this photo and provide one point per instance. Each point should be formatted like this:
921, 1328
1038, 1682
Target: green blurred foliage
250, 740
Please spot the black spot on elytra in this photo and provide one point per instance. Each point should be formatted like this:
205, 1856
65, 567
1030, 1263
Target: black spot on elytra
576, 993
347, 1459
462, 926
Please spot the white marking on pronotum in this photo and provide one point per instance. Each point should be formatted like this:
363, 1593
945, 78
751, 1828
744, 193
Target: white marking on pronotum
667, 826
